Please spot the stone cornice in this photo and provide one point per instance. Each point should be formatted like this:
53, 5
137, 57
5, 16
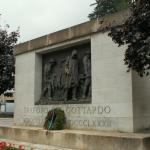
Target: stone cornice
74, 32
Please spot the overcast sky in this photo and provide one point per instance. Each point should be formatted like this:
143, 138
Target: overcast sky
39, 17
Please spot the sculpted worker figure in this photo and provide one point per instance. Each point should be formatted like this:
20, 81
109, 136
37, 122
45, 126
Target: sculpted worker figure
87, 75
48, 79
71, 76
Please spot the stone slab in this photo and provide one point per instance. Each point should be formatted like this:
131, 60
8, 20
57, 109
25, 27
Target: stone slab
78, 139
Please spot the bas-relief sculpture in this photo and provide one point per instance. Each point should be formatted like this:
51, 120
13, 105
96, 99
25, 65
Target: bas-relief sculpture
48, 79
67, 77
87, 75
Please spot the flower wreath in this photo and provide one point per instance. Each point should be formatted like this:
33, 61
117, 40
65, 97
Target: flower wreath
55, 120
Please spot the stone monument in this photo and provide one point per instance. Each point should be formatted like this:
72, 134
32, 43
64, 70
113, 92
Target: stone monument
80, 70
66, 76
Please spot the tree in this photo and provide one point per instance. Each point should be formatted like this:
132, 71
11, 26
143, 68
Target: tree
135, 33
7, 68
105, 7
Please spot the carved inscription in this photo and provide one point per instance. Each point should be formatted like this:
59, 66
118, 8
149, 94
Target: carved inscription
90, 123
77, 116
72, 110
88, 110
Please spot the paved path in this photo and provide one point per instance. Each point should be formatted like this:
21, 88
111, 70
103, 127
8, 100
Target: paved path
30, 146
6, 121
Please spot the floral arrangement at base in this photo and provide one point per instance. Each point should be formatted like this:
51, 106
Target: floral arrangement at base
8, 146
55, 120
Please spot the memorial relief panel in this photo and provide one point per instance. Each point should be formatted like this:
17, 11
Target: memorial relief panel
66, 76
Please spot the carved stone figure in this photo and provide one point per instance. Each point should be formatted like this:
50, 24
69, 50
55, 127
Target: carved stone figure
87, 75
71, 76
48, 79
62, 79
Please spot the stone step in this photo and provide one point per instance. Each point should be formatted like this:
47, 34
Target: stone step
31, 146
77, 139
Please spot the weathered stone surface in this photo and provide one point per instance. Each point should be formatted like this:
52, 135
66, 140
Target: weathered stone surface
23, 47
111, 103
74, 32
77, 139
38, 43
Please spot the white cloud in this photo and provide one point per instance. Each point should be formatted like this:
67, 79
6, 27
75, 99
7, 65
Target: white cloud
39, 17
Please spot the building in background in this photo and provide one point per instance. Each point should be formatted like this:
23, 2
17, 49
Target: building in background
7, 102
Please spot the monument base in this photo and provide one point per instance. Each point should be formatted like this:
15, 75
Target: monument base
78, 139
